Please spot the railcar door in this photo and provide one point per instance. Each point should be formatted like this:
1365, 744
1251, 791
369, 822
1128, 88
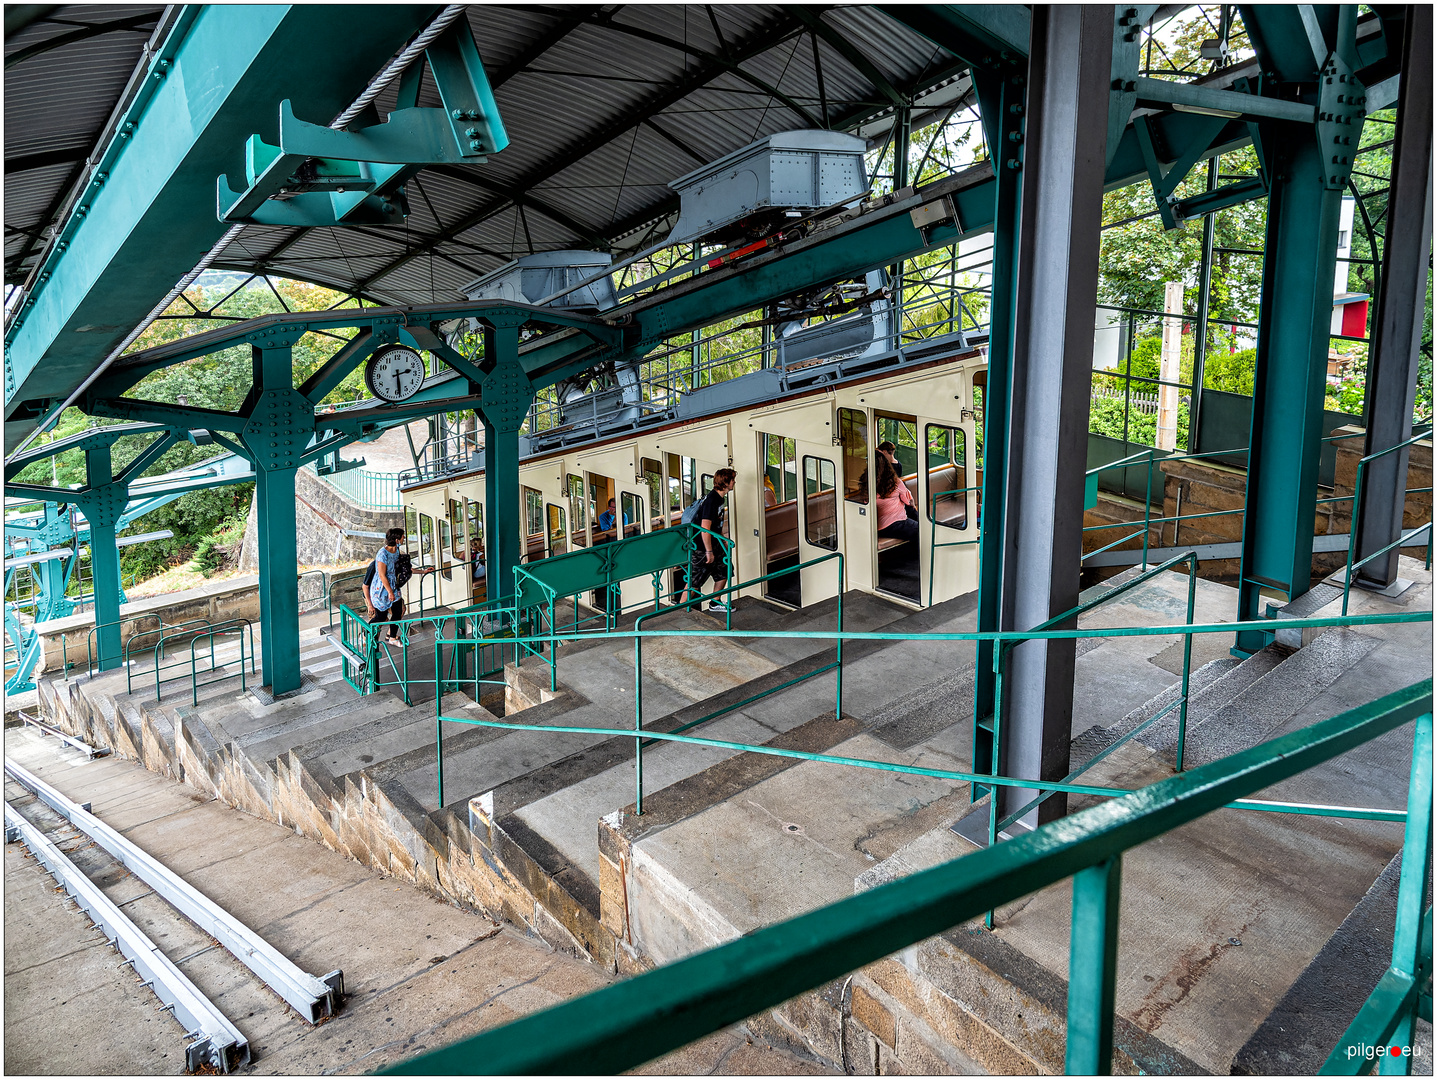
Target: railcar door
779, 487
899, 562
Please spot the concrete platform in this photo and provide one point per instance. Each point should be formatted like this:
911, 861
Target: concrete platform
538, 828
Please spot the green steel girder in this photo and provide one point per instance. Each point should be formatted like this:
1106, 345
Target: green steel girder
89, 439
985, 35
149, 204
320, 176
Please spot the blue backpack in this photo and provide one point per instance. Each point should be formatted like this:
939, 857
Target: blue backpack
691, 513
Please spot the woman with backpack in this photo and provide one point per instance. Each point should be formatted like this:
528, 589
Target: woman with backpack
384, 588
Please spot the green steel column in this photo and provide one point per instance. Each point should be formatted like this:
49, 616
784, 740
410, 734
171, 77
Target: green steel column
280, 423
1001, 97
507, 397
103, 507
1290, 378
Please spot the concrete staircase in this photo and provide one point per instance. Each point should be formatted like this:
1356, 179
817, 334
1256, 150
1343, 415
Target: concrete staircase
540, 826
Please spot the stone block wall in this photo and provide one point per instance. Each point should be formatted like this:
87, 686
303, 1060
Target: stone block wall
322, 514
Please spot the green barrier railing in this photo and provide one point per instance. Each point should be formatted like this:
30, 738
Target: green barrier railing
1150, 456
367, 647
1005, 649
542, 588
236, 627
1357, 502
627, 1024
1388, 1018
933, 523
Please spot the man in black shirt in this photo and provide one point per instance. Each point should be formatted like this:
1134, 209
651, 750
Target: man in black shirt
707, 559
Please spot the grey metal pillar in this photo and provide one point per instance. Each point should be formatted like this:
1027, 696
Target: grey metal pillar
1397, 329
1063, 165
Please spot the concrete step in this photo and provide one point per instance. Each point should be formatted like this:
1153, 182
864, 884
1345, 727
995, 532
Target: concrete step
1210, 688
1254, 714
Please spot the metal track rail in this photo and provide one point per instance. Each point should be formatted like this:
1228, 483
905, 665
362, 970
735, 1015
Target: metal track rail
218, 1043
313, 998
89, 751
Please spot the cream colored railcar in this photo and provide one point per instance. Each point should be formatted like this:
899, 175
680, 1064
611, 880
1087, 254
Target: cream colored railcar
803, 465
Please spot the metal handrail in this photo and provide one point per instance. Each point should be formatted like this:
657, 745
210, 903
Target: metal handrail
231, 628
933, 544
622, 1026
1000, 654
1356, 505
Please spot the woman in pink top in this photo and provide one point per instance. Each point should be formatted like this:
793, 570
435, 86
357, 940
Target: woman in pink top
893, 500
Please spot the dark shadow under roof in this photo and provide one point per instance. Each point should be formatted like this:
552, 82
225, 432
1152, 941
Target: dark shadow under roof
603, 105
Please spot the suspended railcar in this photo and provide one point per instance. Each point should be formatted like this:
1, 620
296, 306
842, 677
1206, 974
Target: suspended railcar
802, 492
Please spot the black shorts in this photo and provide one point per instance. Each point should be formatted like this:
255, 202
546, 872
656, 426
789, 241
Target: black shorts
701, 570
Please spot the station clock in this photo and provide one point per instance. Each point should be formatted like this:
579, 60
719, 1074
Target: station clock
394, 374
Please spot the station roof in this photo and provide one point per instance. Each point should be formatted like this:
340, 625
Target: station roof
603, 105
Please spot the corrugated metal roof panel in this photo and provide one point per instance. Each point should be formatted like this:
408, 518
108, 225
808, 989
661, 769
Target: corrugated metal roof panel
603, 109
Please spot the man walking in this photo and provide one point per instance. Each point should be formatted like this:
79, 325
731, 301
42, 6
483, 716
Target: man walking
707, 559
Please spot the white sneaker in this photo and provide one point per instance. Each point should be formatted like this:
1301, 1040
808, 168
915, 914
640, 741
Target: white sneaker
718, 605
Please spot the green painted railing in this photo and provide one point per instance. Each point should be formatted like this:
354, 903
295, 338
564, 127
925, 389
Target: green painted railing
627, 1024
378, 490
1388, 1019
1150, 456
933, 544
367, 648
1401, 541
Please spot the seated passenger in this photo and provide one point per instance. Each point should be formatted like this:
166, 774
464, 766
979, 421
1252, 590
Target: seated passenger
894, 500
476, 555
770, 497
888, 450
608, 519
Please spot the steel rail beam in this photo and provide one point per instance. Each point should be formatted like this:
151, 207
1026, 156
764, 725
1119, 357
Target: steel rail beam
1058, 234
1397, 326
219, 1044
313, 998
218, 70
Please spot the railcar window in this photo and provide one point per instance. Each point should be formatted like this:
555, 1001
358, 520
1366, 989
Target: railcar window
426, 540
476, 521
947, 476
578, 508
821, 498
457, 517
558, 535
633, 510
853, 434
411, 528
444, 549
903, 434
781, 467
654, 478
533, 513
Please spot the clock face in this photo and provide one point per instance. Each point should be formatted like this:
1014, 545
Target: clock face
395, 374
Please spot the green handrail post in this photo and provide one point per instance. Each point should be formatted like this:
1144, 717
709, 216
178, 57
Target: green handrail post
1092, 968
1416, 865
639, 718
1187, 659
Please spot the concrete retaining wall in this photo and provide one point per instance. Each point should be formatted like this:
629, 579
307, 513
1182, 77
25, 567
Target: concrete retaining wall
234, 598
